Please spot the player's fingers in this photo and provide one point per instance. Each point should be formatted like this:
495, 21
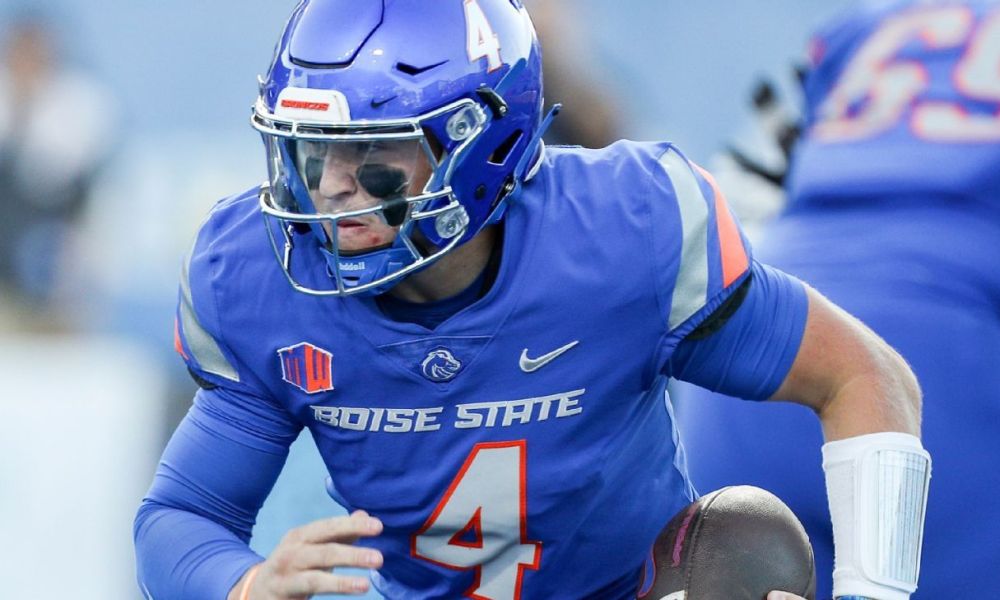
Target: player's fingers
308, 583
338, 529
328, 556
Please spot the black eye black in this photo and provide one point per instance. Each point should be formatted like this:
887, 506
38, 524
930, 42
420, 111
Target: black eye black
313, 172
382, 181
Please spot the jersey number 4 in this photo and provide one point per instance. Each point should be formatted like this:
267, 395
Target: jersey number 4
877, 87
480, 523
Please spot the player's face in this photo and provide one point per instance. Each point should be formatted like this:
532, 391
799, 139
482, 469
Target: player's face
349, 176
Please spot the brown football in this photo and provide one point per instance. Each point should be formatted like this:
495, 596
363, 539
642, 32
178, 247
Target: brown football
737, 543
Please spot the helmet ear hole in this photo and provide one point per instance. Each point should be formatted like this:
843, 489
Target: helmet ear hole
503, 151
434, 143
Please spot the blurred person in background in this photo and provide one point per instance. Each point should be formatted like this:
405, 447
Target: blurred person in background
425, 239
894, 213
55, 132
753, 165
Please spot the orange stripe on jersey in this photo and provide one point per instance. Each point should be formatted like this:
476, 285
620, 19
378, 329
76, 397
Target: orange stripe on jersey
178, 346
734, 256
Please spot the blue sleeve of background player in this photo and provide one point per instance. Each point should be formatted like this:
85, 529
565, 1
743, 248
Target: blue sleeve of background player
752, 349
192, 529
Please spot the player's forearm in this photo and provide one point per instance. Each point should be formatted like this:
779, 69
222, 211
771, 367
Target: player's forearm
876, 468
183, 555
885, 399
192, 530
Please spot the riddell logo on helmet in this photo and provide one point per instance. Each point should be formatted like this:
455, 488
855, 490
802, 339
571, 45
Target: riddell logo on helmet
355, 266
304, 105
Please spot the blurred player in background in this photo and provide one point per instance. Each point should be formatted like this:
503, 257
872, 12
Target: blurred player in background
55, 132
894, 213
478, 332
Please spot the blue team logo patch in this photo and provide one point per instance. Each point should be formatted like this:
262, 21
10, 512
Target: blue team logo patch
440, 365
307, 367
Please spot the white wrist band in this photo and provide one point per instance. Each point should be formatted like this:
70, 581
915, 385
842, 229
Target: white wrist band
877, 489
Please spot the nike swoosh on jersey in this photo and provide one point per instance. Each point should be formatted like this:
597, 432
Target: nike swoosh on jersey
530, 365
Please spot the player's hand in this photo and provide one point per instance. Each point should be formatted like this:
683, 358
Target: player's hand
300, 565
783, 596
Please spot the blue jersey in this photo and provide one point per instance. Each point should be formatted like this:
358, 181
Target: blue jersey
903, 105
894, 215
522, 442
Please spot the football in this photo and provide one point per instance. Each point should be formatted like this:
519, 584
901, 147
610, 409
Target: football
737, 543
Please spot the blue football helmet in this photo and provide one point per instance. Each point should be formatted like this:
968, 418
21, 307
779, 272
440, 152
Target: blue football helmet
395, 131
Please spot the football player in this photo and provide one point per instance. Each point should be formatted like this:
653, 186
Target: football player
893, 213
478, 332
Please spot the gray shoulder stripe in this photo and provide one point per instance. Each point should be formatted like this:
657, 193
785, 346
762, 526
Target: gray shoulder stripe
202, 345
691, 288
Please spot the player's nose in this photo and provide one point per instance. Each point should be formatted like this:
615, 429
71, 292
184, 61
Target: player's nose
339, 182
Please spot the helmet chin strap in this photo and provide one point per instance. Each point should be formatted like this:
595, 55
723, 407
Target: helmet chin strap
523, 169
373, 265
